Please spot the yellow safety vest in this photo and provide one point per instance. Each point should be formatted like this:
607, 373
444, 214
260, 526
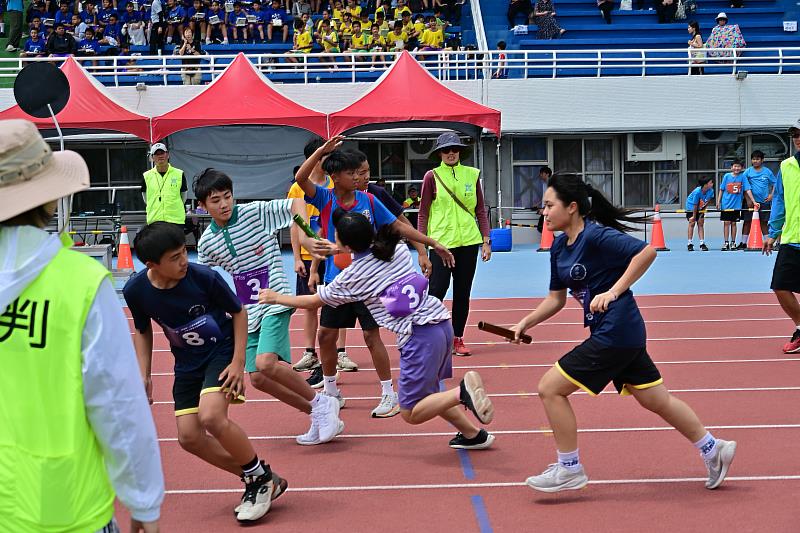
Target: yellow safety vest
52, 474
790, 174
448, 223
164, 202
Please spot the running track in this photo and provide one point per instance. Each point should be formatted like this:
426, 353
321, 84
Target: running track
720, 353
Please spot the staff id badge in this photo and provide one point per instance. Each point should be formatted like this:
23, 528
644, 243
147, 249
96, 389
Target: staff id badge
197, 333
405, 295
249, 283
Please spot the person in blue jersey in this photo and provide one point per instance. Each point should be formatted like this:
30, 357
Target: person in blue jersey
383, 277
104, 14
342, 166
176, 19
762, 187
598, 262
695, 207
206, 327
732, 189
34, 46
88, 45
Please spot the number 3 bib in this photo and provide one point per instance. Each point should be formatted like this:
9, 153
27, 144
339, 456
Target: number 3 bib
199, 332
249, 283
405, 295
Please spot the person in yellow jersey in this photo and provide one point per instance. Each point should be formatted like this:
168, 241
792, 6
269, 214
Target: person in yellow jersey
450, 204
76, 425
432, 39
164, 189
302, 42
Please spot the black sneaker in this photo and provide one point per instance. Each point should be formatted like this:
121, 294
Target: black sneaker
473, 396
690, 247
703, 247
726, 247
479, 442
742, 246
279, 486
315, 380
257, 498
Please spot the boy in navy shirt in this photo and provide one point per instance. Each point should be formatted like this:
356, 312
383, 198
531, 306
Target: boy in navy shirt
276, 18
34, 46
256, 18
197, 19
104, 15
206, 326
176, 16
216, 30
237, 23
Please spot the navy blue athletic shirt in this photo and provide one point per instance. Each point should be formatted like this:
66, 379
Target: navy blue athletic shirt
592, 265
192, 313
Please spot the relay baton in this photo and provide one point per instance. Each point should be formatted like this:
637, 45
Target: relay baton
503, 332
305, 227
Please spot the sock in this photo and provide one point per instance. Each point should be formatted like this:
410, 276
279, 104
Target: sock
253, 468
315, 402
330, 385
386, 387
702, 241
569, 460
691, 242
707, 446
311, 350
169, 40
340, 350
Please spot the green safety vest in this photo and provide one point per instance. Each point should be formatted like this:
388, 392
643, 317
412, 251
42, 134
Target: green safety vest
164, 202
790, 174
448, 223
53, 477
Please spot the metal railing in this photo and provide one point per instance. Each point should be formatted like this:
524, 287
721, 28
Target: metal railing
444, 65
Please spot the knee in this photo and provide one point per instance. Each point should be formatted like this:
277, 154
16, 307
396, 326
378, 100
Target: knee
258, 380
408, 416
656, 404
372, 338
327, 337
191, 441
213, 422
266, 363
546, 389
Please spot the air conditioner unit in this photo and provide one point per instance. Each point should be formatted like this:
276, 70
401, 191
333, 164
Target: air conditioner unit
656, 146
420, 148
717, 137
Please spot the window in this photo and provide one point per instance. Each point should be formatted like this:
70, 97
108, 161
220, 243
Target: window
647, 183
120, 164
529, 155
591, 159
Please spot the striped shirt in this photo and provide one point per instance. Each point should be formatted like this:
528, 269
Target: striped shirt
249, 242
368, 277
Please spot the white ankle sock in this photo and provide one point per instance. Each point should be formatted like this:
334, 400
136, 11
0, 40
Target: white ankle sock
330, 385
315, 402
387, 387
702, 242
707, 446
569, 460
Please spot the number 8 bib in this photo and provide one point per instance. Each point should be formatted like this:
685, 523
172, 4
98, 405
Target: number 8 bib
249, 283
197, 333
405, 295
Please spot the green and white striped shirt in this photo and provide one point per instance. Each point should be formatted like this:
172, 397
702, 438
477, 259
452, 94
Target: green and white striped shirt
249, 242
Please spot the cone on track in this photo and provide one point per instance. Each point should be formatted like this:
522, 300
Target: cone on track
657, 240
754, 242
124, 257
547, 239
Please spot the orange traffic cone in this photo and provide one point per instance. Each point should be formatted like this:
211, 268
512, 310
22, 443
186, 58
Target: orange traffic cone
547, 239
657, 240
755, 242
124, 257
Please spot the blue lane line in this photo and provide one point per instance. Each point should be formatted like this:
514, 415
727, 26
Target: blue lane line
481, 514
466, 465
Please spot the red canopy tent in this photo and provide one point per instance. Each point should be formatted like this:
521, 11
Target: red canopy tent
257, 102
409, 94
88, 107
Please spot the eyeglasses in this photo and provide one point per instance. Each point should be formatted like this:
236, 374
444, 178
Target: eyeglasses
451, 149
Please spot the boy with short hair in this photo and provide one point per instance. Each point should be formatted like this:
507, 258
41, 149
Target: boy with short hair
695, 207
192, 303
241, 239
762, 186
732, 188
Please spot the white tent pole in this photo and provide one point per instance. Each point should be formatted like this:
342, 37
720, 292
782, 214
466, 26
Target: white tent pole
499, 190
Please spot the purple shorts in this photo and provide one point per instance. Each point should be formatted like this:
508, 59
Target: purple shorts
425, 360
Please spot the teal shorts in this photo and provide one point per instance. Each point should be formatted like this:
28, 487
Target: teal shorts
273, 337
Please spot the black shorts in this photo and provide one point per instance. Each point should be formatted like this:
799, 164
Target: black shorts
188, 387
690, 214
730, 216
345, 316
591, 366
786, 274
301, 286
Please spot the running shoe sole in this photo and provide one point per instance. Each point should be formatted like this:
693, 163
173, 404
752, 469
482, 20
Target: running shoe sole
394, 412
479, 402
307, 443
279, 486
727, 459
550, 490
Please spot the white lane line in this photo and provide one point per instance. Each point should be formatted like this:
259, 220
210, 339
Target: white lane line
446, 486
579, 393
548, 365
512, 432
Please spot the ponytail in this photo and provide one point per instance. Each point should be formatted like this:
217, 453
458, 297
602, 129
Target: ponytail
385, 242
356, 232
592, 203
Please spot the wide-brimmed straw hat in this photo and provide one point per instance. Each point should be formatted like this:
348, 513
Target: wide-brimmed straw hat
722, 15
32, 175
448, 140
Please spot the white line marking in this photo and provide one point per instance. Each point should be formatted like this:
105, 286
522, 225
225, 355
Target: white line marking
511, 432
446, 486
579, 393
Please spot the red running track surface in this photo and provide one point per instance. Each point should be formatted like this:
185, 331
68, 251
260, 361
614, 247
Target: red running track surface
720, 353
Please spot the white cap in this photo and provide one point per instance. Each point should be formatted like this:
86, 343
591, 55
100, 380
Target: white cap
156, 147
722, 15
795, 126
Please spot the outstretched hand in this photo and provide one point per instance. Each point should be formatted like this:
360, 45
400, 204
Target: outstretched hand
445, 254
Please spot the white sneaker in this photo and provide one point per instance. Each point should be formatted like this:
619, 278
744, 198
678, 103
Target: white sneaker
338, 398
326, 418
557, 478
11, 48
388, 406
257, 497
345, 364
307, 362
718, 466
312, 437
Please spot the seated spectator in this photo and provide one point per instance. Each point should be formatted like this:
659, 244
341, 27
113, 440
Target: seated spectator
326, 15
36, 24
432, 37
377, 44
197, 15
359, 42
89, 14
329, 41
176, 21
501, 71
515, 7
398, 39
301, 42
105, 14
666, 10
402, 8
88, 46
237, 23
419, 23
217, 31
545, 18
36, 9
60, 43
605, 7
63, 14
34, 46
76, 27
307, 22
338, 12
112, 34
724, 36
440, 20
345, 31
366, 24
408, 28
696, 52
276, 19
354, 9
133, 25
190, 73
383, 26
256, 20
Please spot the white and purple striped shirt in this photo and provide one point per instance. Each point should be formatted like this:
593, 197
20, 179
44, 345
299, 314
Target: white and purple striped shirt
366, 279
